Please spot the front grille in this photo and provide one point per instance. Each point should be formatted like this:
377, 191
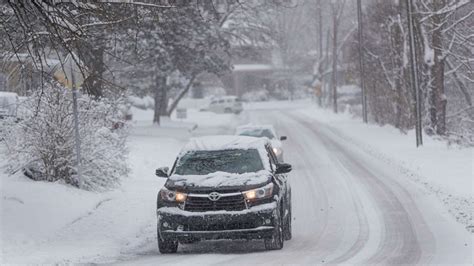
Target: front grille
222, 226
225, 203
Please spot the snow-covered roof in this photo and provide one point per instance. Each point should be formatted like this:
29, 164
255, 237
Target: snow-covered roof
213, 143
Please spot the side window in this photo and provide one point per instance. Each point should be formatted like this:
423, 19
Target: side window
221, 101
214, 102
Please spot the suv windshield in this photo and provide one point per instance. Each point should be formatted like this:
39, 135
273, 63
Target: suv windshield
230, 161
258, 133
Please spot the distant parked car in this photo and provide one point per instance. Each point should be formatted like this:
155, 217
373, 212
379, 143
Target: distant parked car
226, 104
261, 131
8, 104
224, 187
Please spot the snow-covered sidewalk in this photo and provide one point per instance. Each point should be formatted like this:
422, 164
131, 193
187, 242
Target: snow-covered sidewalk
445, 171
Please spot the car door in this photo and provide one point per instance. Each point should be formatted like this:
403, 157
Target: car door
212, 106
220, 106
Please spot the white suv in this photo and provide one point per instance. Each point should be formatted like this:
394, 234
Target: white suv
264, 131
226, 104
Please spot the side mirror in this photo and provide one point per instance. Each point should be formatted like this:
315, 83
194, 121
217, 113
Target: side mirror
283, 138
283, 168
162, 172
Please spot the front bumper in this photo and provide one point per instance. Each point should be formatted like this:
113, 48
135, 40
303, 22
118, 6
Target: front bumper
253, 223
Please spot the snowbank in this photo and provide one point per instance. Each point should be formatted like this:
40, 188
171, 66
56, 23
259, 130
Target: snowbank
446, 171
56, 223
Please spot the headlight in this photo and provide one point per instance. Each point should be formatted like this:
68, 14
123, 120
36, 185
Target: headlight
277, 151
259, 193
172, 196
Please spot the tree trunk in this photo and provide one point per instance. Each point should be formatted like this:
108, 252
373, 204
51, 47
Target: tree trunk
397, 42
326, 80
464, 90
181, 95
160, 97
437, 97
320, 32
93, 58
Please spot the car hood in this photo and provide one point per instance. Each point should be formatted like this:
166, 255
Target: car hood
218, 181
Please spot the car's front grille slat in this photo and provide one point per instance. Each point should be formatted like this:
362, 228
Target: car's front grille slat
234, 202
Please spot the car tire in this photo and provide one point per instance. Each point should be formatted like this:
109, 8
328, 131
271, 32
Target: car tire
166, 246
276, 241
227, 110
287, 235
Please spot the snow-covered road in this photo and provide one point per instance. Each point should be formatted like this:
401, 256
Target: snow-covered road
348, 207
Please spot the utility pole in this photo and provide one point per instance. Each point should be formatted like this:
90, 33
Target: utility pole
334, 55
320, 25
361, 63
414, 75
76, 128
67, 77
321, 52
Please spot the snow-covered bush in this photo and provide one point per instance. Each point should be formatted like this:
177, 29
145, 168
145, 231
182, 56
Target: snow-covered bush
42, 144
141, 103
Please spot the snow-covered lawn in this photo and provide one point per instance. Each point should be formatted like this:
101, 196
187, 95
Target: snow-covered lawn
444, 170
48, 223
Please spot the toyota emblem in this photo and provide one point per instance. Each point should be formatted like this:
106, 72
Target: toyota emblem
214, 196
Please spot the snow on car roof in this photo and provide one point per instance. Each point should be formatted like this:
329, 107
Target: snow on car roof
243, 128
224, 143
225, 97
269, 126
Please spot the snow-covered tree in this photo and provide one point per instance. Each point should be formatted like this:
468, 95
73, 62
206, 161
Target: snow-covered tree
42, 143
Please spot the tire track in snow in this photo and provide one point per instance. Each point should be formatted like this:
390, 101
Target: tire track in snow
403, 223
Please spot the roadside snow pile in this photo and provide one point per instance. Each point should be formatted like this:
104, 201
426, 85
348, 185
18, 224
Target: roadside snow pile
445, 171
42, 144
54, 223
33, 212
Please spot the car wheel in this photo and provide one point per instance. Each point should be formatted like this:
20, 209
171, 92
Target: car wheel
227, 110
166, 246
287, 231
276, 242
